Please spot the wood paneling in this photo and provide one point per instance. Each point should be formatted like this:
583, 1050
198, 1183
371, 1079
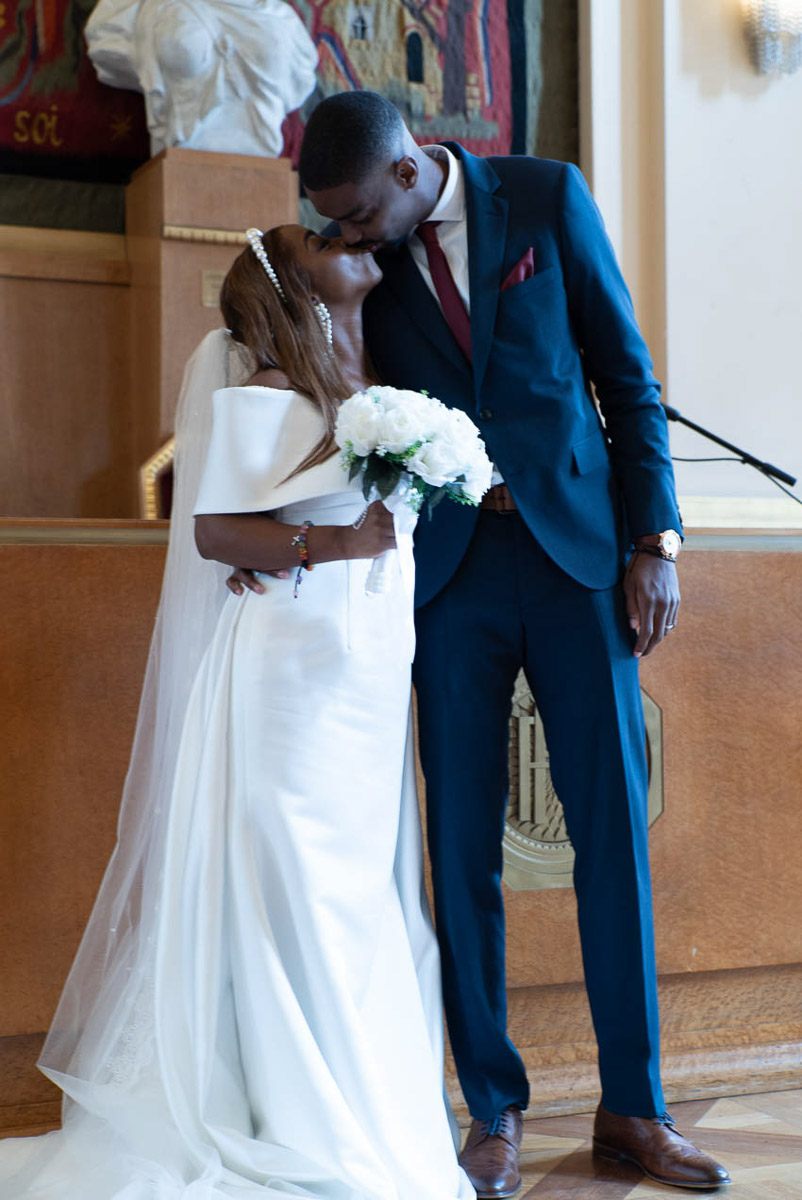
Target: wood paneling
79, 600
66, 448
78, 611
723, 1033
726, 852
95, 329
76, 625
726, 855
62, 243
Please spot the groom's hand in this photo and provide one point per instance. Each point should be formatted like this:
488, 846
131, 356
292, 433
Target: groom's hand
651, 590
243, 577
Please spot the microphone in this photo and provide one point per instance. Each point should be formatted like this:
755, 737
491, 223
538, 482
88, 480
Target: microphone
766, 468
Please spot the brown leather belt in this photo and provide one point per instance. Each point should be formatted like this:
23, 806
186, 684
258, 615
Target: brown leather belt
499, 499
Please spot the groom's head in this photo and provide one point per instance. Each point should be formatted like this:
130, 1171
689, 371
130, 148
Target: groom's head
361, 168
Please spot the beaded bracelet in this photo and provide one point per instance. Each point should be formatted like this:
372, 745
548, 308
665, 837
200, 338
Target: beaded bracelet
301, 540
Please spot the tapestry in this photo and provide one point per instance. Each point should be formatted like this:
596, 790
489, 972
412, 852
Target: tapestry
455, 68
56, 119
499, 76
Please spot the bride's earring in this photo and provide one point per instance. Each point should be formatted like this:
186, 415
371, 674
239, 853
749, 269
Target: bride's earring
324, 316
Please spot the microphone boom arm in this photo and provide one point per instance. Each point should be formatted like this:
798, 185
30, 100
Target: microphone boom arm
764, 467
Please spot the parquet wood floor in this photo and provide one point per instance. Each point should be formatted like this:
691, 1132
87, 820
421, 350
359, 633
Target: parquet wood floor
757, 1138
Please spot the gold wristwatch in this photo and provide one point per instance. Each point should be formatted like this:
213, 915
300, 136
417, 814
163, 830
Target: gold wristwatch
666, 545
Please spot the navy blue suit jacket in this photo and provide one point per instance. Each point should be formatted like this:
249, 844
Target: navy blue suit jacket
582, 487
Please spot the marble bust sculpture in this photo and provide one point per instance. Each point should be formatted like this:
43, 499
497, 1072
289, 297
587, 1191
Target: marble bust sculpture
216, 74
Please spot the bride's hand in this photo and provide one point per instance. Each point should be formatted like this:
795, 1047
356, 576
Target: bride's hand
374, 535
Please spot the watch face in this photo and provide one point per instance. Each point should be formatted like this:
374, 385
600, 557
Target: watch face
671, 542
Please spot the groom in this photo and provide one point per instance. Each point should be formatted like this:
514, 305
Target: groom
501, 296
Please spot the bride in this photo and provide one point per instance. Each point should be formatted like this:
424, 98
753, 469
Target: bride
254, 1009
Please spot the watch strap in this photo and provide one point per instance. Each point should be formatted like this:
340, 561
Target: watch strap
656, 552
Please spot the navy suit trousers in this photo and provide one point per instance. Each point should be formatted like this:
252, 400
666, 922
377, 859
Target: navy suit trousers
510, 607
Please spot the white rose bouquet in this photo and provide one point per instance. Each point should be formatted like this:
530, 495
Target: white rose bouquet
408, 447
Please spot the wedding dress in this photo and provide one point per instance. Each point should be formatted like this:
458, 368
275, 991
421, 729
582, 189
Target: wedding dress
267, 1017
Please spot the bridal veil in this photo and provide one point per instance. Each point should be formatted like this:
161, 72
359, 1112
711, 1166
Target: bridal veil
101, 1038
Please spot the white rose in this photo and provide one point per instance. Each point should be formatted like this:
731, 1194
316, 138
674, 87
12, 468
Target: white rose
435, 463
435, 415
426, 410
477, 479
399, 428
458, 445
459, 422
455, 449
388, 397
359, 422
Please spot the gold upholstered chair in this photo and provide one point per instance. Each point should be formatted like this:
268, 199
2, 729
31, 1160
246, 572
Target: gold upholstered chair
156, 483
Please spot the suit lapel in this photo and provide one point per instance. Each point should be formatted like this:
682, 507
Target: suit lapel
486, 216
404, 279
487, 230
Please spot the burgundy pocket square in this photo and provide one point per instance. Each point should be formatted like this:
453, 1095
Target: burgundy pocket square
523, 269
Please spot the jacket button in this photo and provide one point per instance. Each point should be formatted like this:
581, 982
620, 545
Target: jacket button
485, 414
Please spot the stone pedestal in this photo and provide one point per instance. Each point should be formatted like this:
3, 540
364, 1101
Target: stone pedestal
186, 211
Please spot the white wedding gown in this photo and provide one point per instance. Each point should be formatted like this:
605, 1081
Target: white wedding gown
289, 1037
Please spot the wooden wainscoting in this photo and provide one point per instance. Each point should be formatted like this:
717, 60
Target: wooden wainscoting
79, 601
95, 329
67, 447
78, 606
726, 851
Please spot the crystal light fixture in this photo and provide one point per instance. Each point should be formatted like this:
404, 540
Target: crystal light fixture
773, 31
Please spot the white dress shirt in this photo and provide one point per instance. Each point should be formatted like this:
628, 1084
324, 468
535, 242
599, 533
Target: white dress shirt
452, 235
453, 232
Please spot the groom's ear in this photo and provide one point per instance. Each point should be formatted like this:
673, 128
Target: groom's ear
406, 172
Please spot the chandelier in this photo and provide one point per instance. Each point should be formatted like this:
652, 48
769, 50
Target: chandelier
773, 31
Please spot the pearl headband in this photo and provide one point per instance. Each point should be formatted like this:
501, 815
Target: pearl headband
254, 237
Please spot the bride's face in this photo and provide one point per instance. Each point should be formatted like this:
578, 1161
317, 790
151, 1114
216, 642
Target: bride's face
338, 273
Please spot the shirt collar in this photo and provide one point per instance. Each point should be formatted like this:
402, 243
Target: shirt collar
451, 205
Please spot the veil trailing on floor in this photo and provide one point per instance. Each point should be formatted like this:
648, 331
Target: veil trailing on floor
102, 1036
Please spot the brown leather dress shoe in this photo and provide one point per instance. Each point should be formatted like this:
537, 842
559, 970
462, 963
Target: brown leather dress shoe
490, 1155
654, 1145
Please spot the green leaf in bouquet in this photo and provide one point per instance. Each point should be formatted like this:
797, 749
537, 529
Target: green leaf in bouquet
356, 466
381, 475
388, 482
371, 473
456, 492
435, 497
405, 454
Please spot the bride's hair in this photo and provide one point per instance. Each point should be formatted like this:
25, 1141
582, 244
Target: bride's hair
285, 333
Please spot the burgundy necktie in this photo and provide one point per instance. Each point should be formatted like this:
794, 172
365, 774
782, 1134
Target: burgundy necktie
454, 310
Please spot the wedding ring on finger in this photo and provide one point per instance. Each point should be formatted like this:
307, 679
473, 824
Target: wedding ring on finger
360, 521
670, 627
